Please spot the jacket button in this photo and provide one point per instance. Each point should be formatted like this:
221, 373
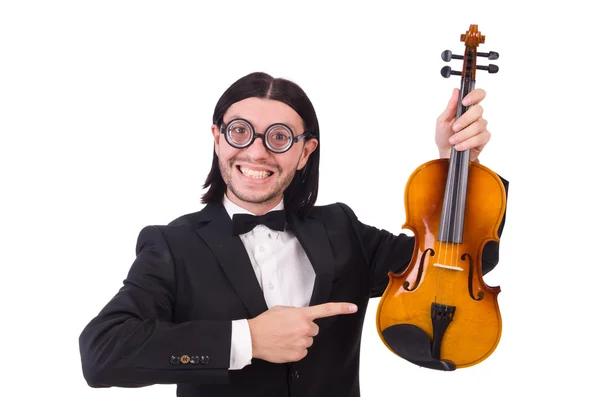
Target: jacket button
194, 359
205, 360
294, 374
174, 360
185, 359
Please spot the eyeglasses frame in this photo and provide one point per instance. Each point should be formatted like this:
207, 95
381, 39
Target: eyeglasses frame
225, 126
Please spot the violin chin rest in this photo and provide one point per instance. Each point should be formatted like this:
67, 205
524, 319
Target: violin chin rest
413, 344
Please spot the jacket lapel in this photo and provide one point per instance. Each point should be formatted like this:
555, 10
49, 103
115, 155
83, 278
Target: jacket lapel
232, 256
216, 231
312, 236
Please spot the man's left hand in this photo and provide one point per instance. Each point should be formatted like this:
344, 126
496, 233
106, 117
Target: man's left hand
468, 132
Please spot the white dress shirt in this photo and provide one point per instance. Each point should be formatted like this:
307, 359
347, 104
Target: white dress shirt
283, 272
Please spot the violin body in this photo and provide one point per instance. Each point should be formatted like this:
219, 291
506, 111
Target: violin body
439, 313
475, 329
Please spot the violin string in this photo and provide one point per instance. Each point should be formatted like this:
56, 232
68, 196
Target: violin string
448, 232
455, 233
436, 293
445, 236
453, 225
454, 203
458, 178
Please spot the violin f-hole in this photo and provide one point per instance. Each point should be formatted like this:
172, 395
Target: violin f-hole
480, 294
420, 272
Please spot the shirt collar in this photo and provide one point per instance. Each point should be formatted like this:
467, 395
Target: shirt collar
233, 208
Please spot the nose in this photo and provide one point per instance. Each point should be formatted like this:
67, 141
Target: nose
257, 150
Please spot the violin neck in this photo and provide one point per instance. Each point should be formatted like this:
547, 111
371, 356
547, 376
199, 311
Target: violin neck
453, 210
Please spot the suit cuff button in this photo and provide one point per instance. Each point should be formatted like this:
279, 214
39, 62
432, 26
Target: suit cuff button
174, 360
194, 359
205, 360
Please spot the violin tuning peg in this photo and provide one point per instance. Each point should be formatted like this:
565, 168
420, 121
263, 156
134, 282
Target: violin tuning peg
492, 55
490, 68
447, 72
447, 56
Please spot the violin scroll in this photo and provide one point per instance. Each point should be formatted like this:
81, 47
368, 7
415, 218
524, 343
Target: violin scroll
472, 40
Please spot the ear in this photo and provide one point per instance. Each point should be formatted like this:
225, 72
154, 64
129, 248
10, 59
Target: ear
307, 149
216, 136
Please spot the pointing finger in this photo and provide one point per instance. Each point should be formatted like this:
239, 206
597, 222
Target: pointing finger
330, 309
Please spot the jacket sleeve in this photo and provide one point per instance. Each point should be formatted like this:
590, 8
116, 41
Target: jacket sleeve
133, 341
385, 252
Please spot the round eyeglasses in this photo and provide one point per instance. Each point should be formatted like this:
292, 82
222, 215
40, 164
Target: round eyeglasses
278, 138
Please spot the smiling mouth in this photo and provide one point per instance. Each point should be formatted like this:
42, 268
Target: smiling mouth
253, 173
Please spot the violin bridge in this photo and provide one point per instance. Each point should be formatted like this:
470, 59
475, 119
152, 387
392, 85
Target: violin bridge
457, 268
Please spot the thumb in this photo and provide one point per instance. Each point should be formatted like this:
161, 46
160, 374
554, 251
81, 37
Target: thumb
450, 111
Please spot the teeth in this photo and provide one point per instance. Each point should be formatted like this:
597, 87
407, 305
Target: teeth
255, 174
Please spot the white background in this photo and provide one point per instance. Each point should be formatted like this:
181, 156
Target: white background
105, 113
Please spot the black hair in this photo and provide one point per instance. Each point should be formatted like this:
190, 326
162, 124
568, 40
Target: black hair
301, 194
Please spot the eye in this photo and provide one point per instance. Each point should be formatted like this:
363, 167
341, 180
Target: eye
279, 134
239, 130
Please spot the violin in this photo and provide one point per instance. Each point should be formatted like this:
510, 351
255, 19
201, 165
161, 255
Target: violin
438, 313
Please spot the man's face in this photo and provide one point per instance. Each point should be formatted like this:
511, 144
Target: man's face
255, 177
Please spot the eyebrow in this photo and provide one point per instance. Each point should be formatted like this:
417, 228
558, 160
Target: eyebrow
237, 116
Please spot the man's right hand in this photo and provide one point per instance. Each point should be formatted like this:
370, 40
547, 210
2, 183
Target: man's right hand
283, 334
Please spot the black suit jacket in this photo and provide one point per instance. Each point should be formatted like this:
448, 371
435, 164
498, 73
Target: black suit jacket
171, 320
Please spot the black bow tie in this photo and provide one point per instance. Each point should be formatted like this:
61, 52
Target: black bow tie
243, 223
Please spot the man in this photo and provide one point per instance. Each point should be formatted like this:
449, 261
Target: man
224, 307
